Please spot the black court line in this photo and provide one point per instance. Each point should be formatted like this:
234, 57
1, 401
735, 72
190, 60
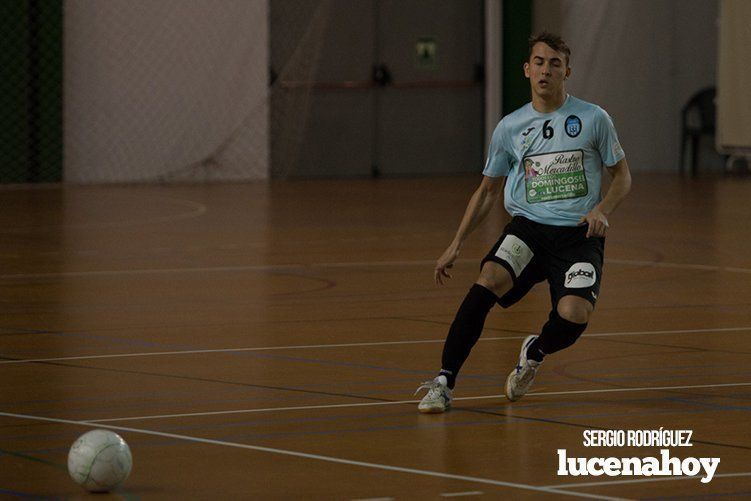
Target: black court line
29, 457
376, 399
209, 380
19, 331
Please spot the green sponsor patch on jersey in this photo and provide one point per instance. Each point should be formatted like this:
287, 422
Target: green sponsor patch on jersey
555, 176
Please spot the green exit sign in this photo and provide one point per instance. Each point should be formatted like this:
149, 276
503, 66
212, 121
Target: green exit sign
426, 51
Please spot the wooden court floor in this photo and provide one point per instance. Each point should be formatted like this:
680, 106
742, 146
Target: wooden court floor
264, 340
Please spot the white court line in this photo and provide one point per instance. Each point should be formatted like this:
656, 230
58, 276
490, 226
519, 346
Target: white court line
738, 270
674, 331
330, 459
355, 264
345, 345
232, 350
268, 409
640, 480
459, 494
400, 402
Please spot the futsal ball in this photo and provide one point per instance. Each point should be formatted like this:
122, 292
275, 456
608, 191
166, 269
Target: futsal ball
99, 460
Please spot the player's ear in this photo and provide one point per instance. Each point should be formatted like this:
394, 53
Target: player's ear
526, 70
568, 71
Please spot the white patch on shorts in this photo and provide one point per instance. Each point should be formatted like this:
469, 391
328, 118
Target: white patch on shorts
580, 275
515, 252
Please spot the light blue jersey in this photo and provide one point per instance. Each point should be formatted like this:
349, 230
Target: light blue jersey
553, 161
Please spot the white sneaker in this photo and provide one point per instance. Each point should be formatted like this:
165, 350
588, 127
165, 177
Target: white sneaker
438, 398
521, 378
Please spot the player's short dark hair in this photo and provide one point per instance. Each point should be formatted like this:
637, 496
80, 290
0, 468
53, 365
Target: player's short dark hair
554, 41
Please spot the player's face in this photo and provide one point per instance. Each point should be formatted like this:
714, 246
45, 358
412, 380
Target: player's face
546, 70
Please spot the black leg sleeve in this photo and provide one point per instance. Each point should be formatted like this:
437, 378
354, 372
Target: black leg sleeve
557, 334
466, 330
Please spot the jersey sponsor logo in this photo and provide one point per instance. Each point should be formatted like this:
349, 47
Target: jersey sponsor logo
526, 132
573, 126
515, 252
555, 176
580, 275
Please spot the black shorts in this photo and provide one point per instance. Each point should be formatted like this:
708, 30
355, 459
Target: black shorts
562, 255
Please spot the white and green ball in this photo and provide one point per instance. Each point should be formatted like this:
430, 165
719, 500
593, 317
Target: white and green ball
99, 460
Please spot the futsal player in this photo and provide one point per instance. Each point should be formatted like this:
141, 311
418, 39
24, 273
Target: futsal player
550, 155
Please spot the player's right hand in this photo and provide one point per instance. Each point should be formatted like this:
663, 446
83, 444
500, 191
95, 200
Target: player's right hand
445, 263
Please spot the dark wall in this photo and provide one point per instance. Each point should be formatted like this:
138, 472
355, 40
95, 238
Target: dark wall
425, 116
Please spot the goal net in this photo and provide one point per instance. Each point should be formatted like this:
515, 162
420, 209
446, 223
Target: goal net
185, 90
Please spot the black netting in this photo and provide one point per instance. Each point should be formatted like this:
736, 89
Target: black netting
30, 91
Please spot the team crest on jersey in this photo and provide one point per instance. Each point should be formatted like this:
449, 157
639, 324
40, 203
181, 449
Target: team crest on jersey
573, 125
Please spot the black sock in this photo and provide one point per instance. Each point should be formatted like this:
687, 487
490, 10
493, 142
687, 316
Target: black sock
465, 330
533, 351
557, 334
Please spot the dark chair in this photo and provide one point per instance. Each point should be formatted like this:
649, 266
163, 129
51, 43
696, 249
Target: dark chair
697, 119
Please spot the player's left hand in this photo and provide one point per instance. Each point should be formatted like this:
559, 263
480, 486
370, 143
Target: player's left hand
597, 223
